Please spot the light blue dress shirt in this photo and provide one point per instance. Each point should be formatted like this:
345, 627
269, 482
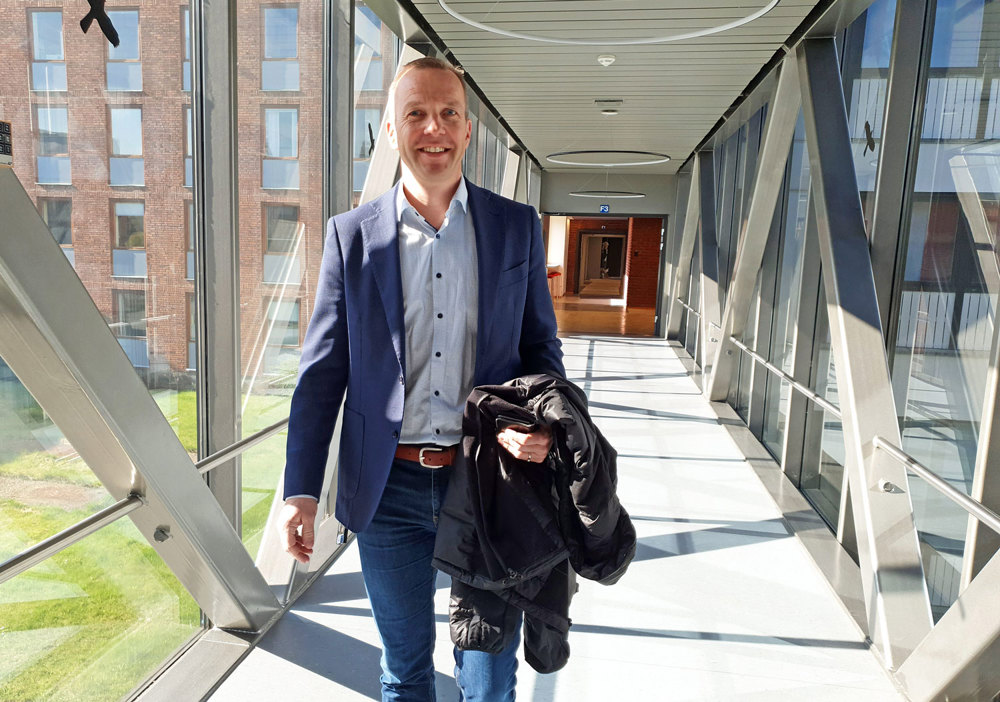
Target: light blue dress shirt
440, 277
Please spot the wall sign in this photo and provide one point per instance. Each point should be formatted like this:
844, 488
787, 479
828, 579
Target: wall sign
605, 209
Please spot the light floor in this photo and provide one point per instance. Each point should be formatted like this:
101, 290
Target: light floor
576, 315
720, 603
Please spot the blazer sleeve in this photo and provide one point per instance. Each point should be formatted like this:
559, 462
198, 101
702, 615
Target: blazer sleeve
323, 373
540, 350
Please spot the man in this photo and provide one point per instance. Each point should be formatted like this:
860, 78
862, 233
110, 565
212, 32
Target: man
429, 290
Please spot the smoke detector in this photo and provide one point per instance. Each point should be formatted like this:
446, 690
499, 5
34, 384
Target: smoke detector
606, 59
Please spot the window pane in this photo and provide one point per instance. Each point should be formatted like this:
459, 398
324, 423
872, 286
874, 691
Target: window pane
866, 73
127, 24
54, 170
282, 138
282, 226
126, 131
280, 175
53, 130
281, 25
129, 313
948, 296
279, 75
93, 621
130, 225
47, 40
126, 171
48, 76
57, 215
124, 76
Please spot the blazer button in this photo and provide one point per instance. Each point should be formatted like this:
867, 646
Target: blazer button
401, 381
395, 434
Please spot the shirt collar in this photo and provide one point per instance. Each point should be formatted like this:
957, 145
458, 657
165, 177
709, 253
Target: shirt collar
461, 196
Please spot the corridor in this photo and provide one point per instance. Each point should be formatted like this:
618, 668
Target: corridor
722, 601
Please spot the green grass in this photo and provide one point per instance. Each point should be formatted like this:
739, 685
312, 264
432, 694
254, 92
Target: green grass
133, 612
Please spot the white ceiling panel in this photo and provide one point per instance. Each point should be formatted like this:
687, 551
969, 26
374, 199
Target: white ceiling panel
673, 92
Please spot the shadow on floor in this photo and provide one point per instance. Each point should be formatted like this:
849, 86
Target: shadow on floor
334, 655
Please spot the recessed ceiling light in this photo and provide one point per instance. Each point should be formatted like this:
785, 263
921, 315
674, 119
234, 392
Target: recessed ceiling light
606, 59
607, 159
604, 41
607, 194
609, 113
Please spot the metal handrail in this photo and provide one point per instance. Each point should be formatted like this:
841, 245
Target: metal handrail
688, 307
976, 509
219, 457
69, 536
818, 399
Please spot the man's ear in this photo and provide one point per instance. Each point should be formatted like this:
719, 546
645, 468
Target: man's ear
390, 131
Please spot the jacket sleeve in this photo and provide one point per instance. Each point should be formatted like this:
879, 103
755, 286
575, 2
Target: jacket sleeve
323, 372
540, 350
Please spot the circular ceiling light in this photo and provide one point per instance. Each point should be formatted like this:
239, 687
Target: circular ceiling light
603, 159
611, 42
607, 194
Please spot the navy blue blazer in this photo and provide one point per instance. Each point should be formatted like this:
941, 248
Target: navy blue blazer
355, 342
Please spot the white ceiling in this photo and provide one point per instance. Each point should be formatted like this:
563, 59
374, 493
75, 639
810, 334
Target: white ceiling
673, 92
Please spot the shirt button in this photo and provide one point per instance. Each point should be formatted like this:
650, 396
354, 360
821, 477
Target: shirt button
438, 354
437, 431
436, 393
437, 236
440, 315
438, 275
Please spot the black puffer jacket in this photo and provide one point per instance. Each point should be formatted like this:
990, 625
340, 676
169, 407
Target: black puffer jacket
512, 534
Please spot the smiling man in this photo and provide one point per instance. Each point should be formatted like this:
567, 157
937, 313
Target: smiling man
431, 289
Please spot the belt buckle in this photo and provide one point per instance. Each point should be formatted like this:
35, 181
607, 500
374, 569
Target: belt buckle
432, 449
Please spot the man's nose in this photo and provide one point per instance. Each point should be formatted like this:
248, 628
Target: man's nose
433, 125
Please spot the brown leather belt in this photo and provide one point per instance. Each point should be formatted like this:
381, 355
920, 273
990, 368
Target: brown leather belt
427, 456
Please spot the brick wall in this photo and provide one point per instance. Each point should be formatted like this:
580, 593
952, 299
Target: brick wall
164, 195
643, 266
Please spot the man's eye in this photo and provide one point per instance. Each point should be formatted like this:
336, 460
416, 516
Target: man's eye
414, 113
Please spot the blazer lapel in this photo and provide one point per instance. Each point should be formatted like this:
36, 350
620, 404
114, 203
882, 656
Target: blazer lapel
380, 235
489, 221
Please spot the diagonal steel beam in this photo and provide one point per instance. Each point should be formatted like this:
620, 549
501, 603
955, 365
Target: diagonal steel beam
896, 596
682, 273
710, 306
60, 347
783, 112
958, 659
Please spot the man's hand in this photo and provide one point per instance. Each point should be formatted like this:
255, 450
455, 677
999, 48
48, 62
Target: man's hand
298, 513
531, 447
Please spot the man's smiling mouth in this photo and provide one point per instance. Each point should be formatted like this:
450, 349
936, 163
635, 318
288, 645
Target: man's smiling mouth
434, 149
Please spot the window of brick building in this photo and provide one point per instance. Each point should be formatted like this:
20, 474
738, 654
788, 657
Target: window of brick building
53, 144
48, 66
126, 162
189, 237
124, 66
279, 68
128, 322
192, 329
129, 242
186, 62
282, 231
57, 214
280, 168
188, 149
281, 355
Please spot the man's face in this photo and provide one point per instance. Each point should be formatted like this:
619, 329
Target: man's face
429, 128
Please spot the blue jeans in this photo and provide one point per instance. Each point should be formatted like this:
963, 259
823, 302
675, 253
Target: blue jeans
396, 552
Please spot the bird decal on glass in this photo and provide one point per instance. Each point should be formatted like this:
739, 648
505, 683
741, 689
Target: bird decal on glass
869, 139
103, 21
371, 139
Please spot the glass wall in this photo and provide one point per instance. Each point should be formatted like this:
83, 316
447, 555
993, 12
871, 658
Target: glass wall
103, 157
947, 298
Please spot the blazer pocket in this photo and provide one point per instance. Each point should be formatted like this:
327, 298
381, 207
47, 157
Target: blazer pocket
351, 458
513, 274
